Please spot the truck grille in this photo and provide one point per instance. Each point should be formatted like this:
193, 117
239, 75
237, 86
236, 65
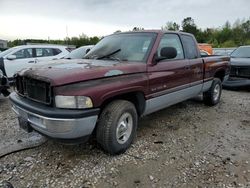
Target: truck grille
33, 89
240, 71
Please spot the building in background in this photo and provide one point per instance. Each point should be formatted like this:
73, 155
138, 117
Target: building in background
3, 44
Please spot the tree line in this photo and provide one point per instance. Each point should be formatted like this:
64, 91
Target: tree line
229, 35
82, 40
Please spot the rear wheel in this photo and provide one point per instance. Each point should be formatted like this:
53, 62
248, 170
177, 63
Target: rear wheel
212, 96
117, 126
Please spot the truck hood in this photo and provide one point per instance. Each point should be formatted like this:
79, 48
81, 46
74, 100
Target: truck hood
61, 72
240, 61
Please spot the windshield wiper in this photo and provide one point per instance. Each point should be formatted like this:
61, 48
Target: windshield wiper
112, 58
91, 57
110, 54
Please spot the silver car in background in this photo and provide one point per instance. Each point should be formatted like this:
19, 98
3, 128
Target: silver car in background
223, 51
240, 69
79, 53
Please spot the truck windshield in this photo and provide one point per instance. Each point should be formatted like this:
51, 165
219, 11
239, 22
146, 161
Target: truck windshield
241, 52
123, 47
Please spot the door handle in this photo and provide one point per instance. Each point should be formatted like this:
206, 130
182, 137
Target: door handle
187, 67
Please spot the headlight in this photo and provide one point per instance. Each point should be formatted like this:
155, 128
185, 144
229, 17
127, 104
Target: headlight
73, 102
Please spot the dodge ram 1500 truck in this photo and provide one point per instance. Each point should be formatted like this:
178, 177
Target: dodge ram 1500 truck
125, 76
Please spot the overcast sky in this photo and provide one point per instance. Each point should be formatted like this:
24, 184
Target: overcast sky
50, 18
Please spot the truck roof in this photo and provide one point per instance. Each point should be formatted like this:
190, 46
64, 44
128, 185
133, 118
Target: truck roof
158, 31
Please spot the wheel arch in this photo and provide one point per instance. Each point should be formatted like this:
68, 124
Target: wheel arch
220, 74
135, 97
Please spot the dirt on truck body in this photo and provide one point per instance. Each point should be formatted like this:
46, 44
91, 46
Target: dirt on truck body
124, 77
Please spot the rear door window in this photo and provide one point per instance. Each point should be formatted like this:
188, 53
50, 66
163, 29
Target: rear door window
190, 47
45, 52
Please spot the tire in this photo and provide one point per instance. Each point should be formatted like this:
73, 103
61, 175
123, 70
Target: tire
212, 96
118, 118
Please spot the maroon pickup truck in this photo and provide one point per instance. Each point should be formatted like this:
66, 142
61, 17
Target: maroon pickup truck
124, 77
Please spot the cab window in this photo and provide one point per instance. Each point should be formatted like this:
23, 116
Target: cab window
190, 47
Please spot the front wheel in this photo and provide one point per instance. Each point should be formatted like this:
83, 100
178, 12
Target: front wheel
212, 96
117, 126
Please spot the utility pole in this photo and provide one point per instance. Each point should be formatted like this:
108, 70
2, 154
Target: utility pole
67, 35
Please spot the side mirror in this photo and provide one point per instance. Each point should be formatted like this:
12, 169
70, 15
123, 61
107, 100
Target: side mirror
168, 53
11, 57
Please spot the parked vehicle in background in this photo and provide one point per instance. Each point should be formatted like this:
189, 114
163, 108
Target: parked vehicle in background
79, 53
123, 77
223, 51
4, 83
206, 47
26, 56
3, 49
240, 69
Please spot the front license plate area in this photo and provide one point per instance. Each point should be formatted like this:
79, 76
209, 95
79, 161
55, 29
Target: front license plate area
24, 124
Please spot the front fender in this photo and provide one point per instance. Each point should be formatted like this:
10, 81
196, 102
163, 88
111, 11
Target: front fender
102, 89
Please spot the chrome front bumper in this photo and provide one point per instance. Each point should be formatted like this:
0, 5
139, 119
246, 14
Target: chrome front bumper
52, 122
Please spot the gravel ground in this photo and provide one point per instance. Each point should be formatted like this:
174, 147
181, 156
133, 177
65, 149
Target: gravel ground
186, 145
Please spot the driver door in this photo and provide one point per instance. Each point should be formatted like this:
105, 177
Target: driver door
169, 74
168, 78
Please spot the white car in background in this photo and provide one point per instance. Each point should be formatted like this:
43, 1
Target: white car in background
20, 57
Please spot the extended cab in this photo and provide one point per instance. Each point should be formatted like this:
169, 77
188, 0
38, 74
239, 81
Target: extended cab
125, 76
